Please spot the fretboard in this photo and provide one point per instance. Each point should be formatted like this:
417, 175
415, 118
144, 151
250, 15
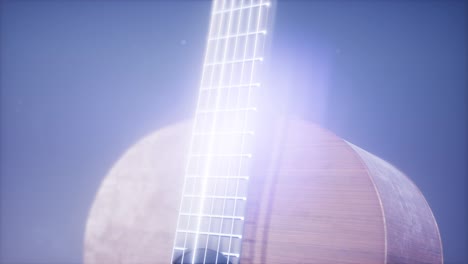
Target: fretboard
217, 175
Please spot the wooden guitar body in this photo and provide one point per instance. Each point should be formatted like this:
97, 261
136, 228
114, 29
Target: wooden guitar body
313, 198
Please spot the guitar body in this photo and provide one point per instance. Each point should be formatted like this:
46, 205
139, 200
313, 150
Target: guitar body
312, 198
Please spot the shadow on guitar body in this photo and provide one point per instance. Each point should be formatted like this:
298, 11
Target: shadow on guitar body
211, 257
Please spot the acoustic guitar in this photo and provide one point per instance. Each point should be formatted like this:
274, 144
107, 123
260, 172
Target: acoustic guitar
240, 184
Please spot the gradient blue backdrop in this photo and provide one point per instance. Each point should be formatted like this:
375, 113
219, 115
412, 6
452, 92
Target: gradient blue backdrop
81, 81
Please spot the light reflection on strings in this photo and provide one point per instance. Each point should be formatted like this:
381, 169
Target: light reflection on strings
204, 160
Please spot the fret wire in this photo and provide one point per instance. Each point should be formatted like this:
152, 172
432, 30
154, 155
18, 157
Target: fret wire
227, 110
207, 163
224, 133
248, 85
224, 253
219, 177
223, 63
263, 32
231, 254
214, 216
248, 155
198, 232
215, 197
267, 4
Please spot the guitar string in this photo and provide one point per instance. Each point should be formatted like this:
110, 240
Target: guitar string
209, 158
219, 90
259, 17
195, 123
219, 98
227, 102
226, 105
219, 95
197, 166
207, 119
189, 159
240, 164
237, 113
208, 102
215, 90
228, 42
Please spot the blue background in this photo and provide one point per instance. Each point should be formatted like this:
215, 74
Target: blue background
81, 81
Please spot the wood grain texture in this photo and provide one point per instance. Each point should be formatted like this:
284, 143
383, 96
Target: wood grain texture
313, 198
407, 214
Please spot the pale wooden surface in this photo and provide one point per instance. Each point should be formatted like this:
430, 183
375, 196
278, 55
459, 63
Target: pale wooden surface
313, 198
407, 214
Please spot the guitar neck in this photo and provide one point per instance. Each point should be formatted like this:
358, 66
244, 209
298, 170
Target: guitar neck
214, 196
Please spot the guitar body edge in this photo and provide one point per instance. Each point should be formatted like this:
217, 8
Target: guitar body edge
313, 198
